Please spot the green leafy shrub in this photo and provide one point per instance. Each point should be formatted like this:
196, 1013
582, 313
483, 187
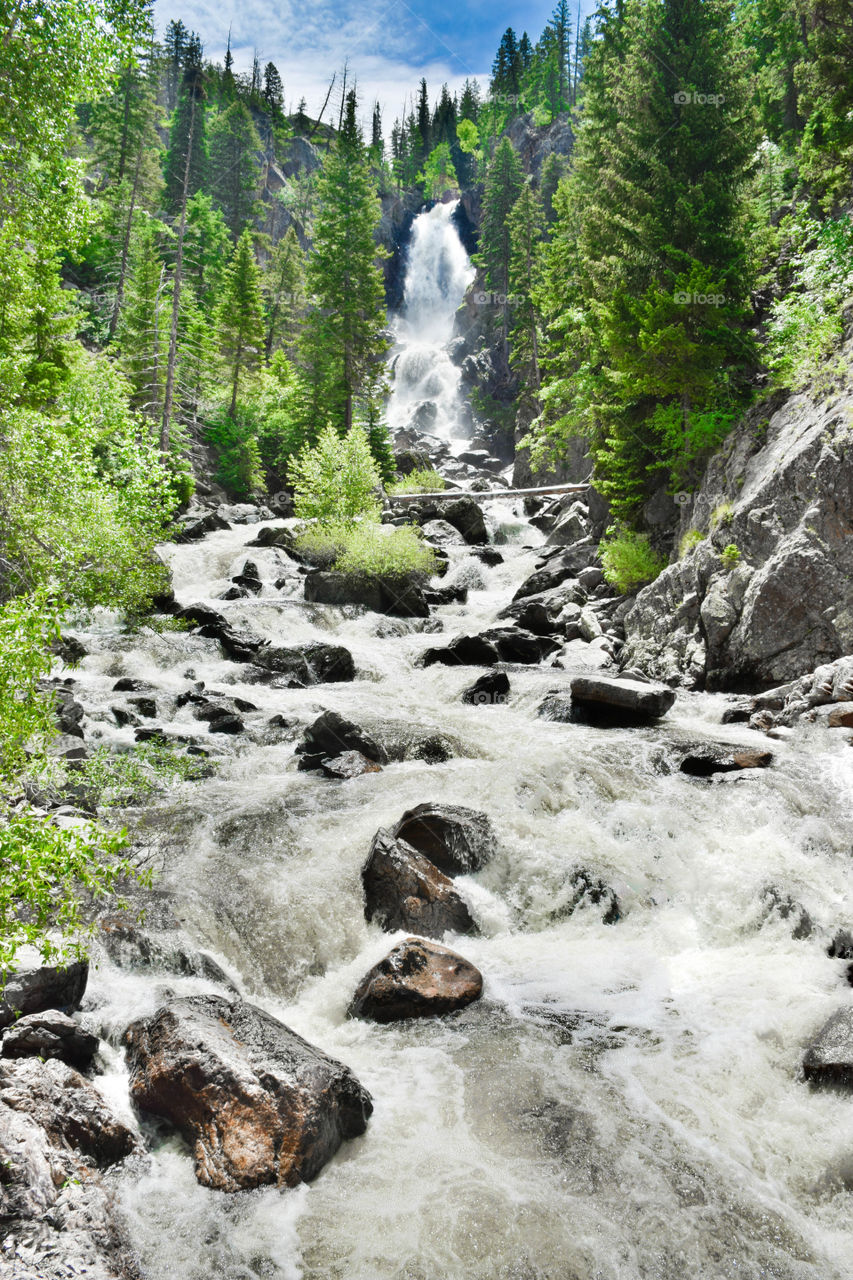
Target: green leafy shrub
730, 556
369, 548
722, 515
424, 480
628, 561
806, 323
238, 453
336, 481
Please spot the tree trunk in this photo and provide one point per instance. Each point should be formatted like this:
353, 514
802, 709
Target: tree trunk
125, 250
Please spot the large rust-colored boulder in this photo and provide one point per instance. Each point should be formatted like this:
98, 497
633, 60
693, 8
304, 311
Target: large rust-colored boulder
418, 979
257, 1103
404, 890
455, 839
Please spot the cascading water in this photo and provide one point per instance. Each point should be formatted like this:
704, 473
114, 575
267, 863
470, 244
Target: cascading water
426, 391
624, 1102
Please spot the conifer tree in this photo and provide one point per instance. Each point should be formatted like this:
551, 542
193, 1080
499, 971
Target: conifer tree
185, 167
526, 228
504, 182
206, 250
233, 165
175, 41
283, 285
143, 327
241, 327
342, 341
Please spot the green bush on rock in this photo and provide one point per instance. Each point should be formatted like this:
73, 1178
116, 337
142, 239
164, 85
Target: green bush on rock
628, 561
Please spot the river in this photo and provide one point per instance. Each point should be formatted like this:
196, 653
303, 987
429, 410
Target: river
624, 1101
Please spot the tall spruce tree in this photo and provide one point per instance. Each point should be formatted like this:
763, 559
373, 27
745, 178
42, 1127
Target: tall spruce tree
233, 166
283, 287
241, 326
504, 181
526, 228
342, 341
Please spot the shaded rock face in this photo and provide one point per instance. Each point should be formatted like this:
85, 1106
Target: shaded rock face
456, 839
42, 987
50, 1034
399, 597
825, 696
418, 979
491, 689
257, 1103
466, 515
404, 890
828, 1059
788, 605
56, 1132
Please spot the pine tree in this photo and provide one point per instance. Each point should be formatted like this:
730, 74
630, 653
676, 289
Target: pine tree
504, 182
233, 165
273, 91
553, 170
377, 146
283, 287
469, 103
424, 127
175, 41
143, 327
241, 328
562, 27
342, 341
185, 167
206, 250
526, 228
825, 84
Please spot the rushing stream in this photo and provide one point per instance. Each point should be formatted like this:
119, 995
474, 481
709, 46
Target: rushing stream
624, 1102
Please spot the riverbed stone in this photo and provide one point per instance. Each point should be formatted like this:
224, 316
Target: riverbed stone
349, 764
399, 596
404, 890
628, 701
33, 988
456, 839
492, 689
417, 979
828, 1058
707, 759
257, 1104
309, 664
50, 1034
466, 515
331, 735
463, 651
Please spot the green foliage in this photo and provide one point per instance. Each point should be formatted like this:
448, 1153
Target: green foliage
235, 439
722, 514
336, 481
367, 547
131, 778
438, 174
628, 561
730, 556
28, 627
86, 496
240, 317
422, 480
806, 324
51, 878
504, 182
234, 143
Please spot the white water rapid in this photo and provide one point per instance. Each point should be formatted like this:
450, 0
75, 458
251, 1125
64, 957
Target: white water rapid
624, 1102
426, 390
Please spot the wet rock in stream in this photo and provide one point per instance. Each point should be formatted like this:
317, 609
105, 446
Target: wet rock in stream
491, 689
34, 988
418, 979
828, 1058
456, 839
332, 735
404, 890
258, 1104
50, 1034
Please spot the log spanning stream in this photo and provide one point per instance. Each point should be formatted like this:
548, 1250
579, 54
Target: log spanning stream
624, 1102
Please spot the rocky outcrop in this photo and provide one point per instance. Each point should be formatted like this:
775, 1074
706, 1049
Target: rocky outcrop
456, 839
418, 979
256, 1102
50, 1034
824, 697
36, 987
56, 1133
767, 596
404, 890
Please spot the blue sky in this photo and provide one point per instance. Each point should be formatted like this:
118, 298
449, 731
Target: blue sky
390, 44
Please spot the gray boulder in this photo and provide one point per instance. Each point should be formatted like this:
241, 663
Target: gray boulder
37, 987
50, 1034
828, 1059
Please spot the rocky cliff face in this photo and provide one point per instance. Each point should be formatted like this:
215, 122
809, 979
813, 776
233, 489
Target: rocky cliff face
767, 594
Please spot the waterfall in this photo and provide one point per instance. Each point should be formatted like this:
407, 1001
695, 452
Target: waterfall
426, 391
